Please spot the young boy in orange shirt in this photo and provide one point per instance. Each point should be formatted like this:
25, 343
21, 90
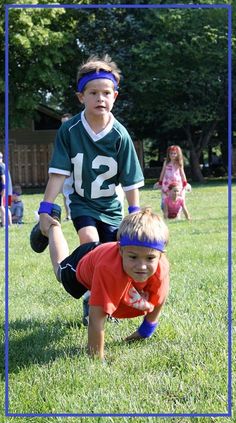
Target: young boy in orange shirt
127, 278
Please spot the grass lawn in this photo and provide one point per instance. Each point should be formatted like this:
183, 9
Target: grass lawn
182, 369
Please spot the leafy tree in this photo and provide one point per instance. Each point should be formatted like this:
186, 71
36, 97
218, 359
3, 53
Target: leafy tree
174, 63
185, 84
175, 67
39, 47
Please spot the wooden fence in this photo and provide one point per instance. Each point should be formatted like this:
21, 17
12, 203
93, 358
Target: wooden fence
234, 161
28, 164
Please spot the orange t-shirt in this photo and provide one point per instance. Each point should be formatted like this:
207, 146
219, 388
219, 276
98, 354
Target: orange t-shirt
101, 271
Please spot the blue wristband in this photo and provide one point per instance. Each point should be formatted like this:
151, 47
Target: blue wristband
132, 209
147, 328
45, 207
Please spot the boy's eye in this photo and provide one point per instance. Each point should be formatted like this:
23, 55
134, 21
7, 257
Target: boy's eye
151, 257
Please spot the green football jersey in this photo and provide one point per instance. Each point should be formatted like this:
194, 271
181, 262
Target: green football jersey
96, 164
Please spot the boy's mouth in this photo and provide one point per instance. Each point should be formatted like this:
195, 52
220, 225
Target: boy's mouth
141, 273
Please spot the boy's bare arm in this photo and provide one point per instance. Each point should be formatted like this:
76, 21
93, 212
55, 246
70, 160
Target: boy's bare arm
132, 197
53, 187
96, 331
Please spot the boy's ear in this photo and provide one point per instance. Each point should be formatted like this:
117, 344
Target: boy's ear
80, 97
120, 250
115, 95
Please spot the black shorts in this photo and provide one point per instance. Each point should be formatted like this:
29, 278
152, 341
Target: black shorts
106, 232
67, 270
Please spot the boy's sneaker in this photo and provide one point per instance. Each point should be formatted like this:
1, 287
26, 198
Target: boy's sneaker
85, 311
38, 241
111, 319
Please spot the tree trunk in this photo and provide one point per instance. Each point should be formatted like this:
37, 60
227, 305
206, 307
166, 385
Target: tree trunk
197, 148
196, 172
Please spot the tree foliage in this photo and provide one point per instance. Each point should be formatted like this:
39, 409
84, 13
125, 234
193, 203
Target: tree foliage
39, 46
186, 68
173, 61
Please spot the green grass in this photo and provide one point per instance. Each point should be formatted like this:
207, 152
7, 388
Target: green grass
181, 369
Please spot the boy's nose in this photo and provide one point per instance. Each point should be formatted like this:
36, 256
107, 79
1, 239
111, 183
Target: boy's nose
142, 265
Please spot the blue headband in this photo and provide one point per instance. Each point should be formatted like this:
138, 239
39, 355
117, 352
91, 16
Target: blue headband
95, 75
125, 240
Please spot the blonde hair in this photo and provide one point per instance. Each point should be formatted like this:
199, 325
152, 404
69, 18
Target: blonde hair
96, 64
144, 225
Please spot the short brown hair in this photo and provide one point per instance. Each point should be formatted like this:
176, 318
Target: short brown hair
96, 64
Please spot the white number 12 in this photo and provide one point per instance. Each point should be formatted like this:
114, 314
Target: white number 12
96, 186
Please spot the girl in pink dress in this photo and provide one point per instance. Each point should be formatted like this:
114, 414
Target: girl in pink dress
172, 171
174, 203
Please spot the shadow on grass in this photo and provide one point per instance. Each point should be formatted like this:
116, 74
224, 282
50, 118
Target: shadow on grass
35, 342
208, 182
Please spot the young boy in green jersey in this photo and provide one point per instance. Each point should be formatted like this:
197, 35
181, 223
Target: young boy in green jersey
97, 152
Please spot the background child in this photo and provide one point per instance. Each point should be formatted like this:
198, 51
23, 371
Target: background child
3, 194
17, 208
174, 203
96, 151
127, 278
172, 171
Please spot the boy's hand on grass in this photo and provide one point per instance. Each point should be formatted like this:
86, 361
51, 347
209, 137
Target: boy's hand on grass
134, 337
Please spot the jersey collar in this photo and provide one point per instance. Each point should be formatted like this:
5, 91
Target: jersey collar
96, 137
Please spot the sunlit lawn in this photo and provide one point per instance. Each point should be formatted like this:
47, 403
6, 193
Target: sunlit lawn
182, 369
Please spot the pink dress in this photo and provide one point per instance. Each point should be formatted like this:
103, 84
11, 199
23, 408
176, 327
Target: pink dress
172, 174
174, 207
